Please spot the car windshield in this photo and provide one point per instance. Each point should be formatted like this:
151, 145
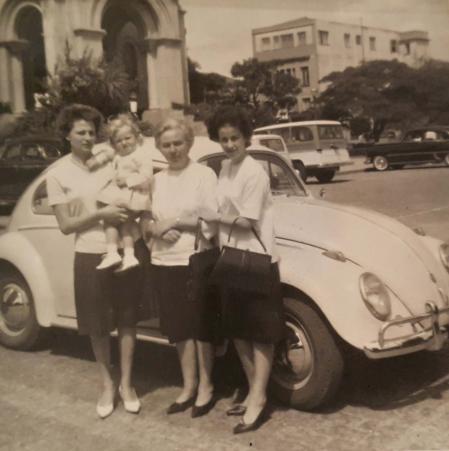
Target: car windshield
273, 144
330, 131
283, 181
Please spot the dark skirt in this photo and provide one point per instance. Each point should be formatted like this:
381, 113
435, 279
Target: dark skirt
254, 317
105, 300
181, 316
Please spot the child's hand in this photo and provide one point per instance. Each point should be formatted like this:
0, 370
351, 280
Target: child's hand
92, 163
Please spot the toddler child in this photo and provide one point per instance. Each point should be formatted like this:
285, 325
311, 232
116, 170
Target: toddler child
129, 188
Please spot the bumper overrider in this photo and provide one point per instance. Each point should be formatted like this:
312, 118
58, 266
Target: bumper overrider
431, 338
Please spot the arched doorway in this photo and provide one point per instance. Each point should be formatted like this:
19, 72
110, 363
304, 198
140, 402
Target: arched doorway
28, 27
123, 45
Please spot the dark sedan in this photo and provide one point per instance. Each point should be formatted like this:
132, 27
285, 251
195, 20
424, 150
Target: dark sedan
419, 146
21, 160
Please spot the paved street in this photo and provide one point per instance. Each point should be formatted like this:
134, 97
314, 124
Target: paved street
47, 397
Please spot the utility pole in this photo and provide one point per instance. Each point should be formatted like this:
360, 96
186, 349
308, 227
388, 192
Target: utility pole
362, 39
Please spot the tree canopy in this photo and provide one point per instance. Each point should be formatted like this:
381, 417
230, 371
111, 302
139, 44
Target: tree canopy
388, 93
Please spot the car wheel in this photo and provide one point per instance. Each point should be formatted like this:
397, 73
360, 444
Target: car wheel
380, 163
308, 364
19, 328
299, 166
325, 176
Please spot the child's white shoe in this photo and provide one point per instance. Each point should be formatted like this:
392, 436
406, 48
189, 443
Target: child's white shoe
128, 262
110, 260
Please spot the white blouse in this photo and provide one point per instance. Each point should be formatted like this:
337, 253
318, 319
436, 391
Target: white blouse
177, 193
244, 190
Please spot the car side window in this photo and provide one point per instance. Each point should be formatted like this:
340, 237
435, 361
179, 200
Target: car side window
40, 200
302, 134
13, 153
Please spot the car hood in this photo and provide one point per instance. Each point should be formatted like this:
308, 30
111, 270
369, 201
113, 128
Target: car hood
374, 242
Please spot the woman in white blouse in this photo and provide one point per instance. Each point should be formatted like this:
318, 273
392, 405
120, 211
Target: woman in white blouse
180, 192
254, 322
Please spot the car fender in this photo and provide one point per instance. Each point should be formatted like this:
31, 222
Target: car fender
333, 286
16, 250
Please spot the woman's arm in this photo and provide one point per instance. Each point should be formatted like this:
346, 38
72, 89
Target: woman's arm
70, 223
161, 227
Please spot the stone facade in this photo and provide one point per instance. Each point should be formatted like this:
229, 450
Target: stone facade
147, 35
310, 49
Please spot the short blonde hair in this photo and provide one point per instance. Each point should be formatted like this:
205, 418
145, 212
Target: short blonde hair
120, 121
173, 123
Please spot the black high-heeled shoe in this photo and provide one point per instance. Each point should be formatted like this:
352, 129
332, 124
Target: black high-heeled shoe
178, 407
199, 411
247, 427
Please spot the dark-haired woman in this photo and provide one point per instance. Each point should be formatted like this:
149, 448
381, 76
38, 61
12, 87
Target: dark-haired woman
103, 301
254, 322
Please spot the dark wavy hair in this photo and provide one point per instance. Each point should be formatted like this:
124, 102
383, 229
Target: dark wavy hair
230, 115
76, 112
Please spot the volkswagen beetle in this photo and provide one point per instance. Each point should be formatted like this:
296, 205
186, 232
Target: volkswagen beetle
386, 295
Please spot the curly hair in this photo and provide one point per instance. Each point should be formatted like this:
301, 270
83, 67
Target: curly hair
76, 112
121, 121
172, 123
233, 116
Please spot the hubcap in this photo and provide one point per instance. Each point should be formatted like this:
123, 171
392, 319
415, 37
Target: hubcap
15, 309
380, 163
293, 362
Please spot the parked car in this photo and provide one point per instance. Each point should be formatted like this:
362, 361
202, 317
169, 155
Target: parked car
419, 146
316, 148
386, 295
273, 142
21, 160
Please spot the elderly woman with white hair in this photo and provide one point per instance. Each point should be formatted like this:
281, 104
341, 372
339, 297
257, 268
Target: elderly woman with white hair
180, 192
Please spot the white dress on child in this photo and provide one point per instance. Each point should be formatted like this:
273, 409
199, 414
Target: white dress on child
137, 170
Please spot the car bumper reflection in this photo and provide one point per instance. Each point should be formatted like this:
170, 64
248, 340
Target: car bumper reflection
430, 338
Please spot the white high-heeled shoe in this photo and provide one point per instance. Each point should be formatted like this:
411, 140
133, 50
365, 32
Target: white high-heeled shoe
130, 406
103, 411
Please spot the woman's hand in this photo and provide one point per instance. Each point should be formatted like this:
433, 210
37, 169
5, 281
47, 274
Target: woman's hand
171, 236
159, 228
209, 215
120, 181
114, 214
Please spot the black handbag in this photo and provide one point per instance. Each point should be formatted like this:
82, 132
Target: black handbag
243, 269
201, 265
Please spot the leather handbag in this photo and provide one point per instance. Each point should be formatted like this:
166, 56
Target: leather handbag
201, 265
243, 269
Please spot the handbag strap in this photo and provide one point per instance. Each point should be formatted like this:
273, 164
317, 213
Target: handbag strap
198, 233
252, 229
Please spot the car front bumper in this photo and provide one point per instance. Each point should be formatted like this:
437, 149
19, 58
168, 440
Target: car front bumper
431, 338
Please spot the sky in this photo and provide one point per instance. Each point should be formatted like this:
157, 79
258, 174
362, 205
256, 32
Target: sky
219, 31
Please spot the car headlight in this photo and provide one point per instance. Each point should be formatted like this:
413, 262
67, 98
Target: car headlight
375, 295
444, 254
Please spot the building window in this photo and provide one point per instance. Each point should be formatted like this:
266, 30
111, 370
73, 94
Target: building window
347, 39
358, 39
286, 41
276, 42
266, 44
302, 38
323, 37
305, 76
393, 46
372, 43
